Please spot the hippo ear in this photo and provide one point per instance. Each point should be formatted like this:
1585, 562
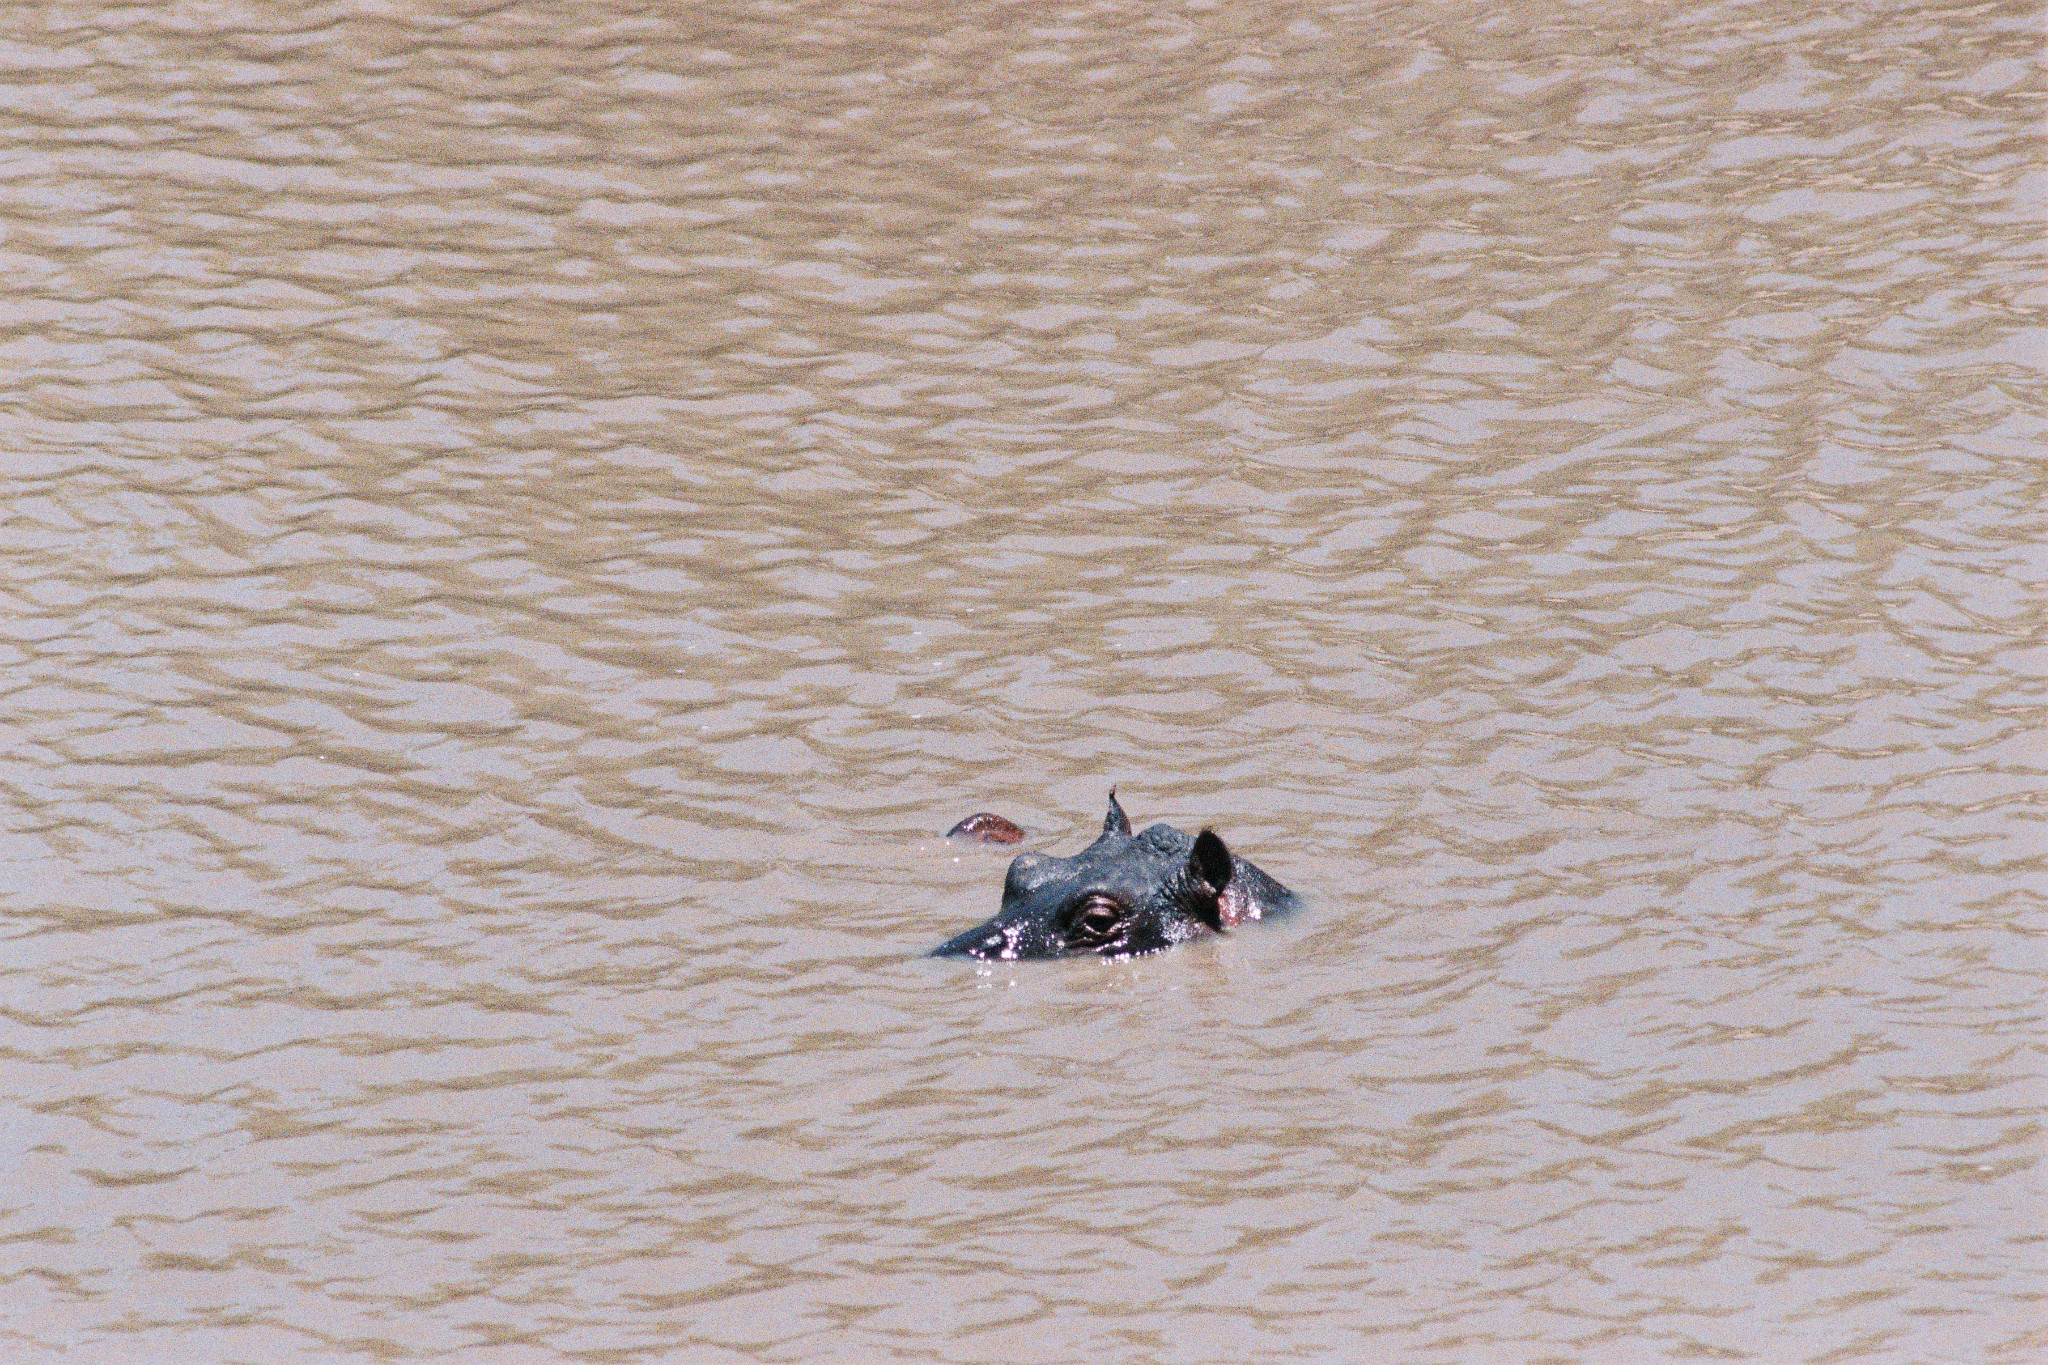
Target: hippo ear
988, 828
1116, 822
1208, 871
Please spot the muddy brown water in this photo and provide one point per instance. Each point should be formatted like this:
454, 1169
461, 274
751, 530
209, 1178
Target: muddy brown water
522, 522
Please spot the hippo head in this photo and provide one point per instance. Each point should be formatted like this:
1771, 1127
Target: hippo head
1122, 895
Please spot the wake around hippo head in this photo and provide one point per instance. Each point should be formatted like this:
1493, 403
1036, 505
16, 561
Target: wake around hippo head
1122, 895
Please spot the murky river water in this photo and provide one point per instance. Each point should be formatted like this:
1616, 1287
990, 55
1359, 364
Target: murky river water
522, 523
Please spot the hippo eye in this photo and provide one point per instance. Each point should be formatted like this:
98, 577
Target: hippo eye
1093, 923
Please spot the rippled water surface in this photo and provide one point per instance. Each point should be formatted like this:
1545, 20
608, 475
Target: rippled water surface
523, 521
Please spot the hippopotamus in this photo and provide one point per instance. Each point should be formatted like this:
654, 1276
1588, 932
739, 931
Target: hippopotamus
1123, 895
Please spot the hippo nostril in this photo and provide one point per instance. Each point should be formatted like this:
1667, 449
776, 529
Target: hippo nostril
1028, 870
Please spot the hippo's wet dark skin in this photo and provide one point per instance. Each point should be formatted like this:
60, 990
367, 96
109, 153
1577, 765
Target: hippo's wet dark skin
1122, 895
